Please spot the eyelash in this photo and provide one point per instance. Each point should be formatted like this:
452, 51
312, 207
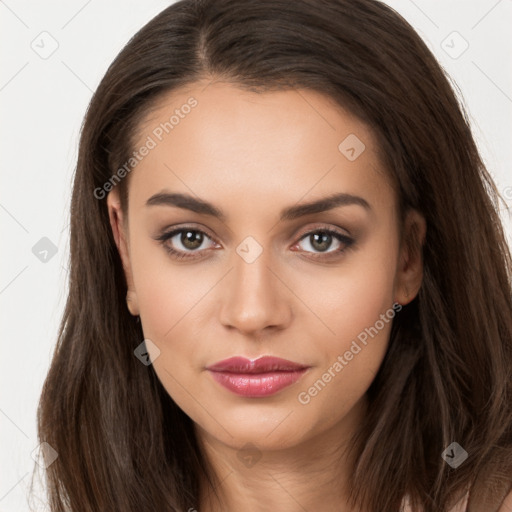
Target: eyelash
180, 255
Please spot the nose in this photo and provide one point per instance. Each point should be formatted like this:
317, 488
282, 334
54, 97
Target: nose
255, 300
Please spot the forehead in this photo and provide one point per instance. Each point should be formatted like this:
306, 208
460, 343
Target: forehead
214, 139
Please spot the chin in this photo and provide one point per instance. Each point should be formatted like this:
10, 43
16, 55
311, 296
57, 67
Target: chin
271, 429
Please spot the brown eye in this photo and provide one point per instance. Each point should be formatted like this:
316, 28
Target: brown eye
191, 239
185, 242
321, 241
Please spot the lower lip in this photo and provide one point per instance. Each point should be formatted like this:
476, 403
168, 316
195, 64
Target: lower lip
257, 385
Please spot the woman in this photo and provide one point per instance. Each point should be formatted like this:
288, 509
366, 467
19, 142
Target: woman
289, 285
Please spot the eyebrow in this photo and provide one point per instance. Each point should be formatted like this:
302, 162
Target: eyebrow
188, 202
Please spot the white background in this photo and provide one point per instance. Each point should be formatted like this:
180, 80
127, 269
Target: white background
43, 102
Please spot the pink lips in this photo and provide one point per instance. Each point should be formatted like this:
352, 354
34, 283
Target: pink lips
262, 377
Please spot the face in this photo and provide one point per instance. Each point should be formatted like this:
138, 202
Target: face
232, 249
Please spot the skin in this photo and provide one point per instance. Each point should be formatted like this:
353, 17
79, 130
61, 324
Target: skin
252, 155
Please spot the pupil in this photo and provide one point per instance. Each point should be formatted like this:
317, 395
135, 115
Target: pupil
191, 239
324, 243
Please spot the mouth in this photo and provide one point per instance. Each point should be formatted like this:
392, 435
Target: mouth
257, 378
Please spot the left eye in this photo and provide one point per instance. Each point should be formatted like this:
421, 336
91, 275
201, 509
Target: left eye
322, 239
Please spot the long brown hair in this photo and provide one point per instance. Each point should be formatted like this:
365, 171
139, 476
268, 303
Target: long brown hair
122, 442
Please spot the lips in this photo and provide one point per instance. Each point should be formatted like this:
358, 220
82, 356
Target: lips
261, 377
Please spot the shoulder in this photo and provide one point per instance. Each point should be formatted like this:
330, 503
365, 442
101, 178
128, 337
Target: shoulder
506, 506
459, 507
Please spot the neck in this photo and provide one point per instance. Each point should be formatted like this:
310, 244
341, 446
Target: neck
304, 477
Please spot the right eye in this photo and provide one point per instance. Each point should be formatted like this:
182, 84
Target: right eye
190, 239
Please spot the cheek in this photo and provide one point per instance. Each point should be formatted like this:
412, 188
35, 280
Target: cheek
356, 303
172, 300
352, 296
166, 293
169, 299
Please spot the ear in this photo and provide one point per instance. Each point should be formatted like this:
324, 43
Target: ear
119, 227
410, 262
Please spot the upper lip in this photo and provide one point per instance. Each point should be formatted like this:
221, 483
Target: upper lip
264, 364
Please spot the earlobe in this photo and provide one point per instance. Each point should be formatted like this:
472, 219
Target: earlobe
118, 225
410, 264
131, 303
